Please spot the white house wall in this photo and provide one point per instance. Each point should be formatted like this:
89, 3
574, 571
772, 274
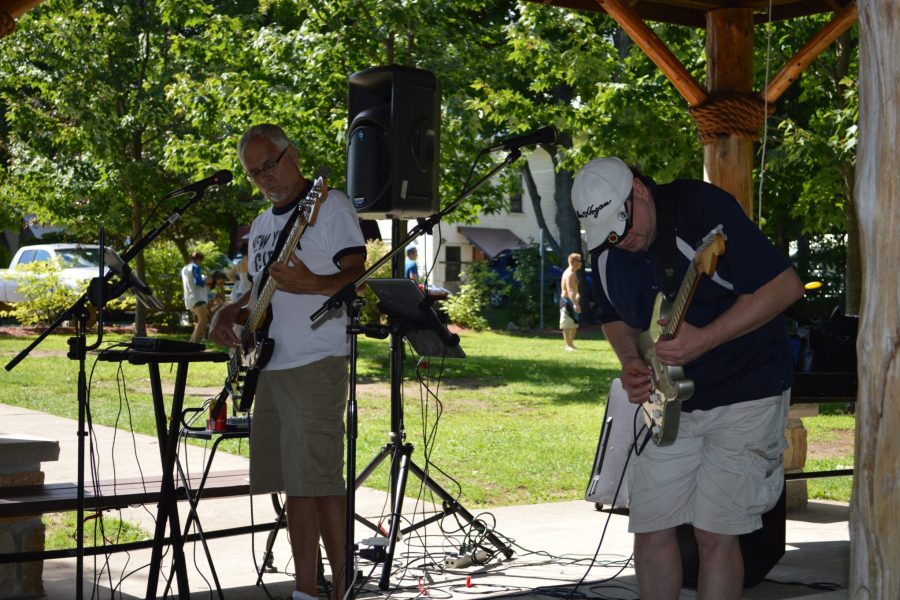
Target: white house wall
523, 224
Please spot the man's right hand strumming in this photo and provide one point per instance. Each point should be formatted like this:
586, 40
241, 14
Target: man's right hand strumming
221, 329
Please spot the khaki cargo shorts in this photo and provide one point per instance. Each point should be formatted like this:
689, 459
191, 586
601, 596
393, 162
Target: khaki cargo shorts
297, 435
722, 473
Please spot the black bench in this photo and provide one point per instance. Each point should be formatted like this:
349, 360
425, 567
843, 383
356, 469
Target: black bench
61, 497
36, 500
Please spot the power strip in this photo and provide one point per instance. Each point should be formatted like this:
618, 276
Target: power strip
454, 561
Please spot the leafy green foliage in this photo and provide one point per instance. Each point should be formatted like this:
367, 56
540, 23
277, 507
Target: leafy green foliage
107, 106
525, 297
45, 292
466, 307
163, 263
370, 314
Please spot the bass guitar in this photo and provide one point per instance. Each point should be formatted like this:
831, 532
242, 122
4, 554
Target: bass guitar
246, 362
670, 386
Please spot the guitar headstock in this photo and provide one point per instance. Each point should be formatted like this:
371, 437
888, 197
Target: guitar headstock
710, 249
316, 195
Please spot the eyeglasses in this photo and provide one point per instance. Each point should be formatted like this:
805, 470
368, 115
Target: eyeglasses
266, 166
628, 208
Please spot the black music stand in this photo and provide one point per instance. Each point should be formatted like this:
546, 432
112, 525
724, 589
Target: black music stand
411, 315
408, 309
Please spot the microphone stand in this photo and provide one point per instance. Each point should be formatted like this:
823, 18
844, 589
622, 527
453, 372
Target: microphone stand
347, 296
100, 290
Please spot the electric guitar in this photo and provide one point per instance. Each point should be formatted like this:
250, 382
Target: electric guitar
246, 362
670, 386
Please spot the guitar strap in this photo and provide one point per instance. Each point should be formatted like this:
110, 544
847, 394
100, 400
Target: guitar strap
665, 247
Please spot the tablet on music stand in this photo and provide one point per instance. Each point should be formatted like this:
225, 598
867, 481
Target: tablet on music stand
406, 306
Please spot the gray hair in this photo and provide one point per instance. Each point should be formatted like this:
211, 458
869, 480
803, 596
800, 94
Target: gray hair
273, 133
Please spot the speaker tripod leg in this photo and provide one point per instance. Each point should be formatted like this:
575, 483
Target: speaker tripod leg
399, 494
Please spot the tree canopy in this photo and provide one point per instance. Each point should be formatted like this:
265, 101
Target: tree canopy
107, 105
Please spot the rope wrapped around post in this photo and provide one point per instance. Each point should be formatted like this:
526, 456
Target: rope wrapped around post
728, 114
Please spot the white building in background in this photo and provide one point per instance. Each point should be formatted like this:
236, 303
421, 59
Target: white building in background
452, 246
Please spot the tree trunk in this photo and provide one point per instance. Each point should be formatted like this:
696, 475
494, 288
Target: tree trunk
140, 313
536, 200
874, 527
845, 46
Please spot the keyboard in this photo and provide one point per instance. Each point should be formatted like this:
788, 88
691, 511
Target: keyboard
152, 344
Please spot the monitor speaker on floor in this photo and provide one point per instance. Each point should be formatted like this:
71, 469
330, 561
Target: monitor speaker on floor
762, 549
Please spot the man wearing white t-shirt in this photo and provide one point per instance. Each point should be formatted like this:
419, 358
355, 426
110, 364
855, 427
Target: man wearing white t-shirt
296, 442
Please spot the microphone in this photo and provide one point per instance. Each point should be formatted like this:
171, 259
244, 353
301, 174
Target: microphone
220, 178
544, 135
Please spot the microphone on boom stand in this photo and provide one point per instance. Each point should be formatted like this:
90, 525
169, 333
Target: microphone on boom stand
545, 135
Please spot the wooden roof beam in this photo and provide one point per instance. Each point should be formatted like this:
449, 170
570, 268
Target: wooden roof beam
654, 48
17, 8
798, 63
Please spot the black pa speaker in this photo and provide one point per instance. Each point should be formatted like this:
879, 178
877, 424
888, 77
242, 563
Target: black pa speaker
393, 142
761, 549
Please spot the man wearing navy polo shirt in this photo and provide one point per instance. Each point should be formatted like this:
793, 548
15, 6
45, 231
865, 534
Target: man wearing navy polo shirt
724, 470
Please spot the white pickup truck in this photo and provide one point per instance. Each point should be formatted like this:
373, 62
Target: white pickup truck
79, 263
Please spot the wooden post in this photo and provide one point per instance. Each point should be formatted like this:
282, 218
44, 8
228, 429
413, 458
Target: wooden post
874, 526
728, 160
17, 8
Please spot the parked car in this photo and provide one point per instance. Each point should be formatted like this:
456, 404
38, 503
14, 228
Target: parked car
79, 264
504, 265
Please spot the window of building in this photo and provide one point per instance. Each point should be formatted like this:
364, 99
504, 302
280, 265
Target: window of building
515, 203
452, 263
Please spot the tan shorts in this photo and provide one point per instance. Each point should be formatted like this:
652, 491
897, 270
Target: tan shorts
722, 473
297, 437
565, 321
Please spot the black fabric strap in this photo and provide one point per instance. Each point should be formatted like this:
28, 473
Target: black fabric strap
665, 244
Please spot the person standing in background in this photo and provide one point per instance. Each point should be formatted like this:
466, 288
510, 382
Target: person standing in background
570, 301
195, 294
412, 266
239, 274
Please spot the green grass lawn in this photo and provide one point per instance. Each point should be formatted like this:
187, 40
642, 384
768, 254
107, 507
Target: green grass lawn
518, 418
61, 530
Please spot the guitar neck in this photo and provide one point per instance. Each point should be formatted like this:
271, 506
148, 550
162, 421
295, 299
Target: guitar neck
682, 300
268, 289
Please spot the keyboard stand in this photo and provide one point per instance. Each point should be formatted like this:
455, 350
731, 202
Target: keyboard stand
167, 431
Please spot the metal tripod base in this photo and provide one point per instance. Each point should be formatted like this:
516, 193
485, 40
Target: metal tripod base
402, 466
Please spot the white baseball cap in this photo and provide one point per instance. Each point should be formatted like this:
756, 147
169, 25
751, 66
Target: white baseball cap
599, 193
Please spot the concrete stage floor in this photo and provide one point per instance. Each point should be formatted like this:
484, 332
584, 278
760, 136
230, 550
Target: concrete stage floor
555, 546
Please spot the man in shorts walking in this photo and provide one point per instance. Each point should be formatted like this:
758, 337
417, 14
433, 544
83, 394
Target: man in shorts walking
724, 470
296, 442
570, 301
